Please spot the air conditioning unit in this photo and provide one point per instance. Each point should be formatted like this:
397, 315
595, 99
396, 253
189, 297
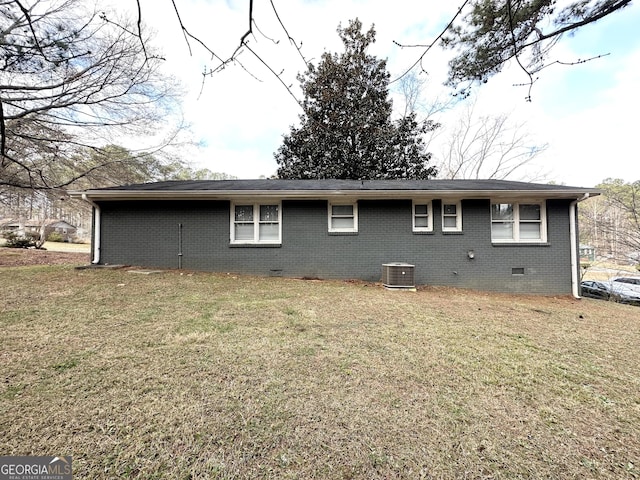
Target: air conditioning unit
398, 275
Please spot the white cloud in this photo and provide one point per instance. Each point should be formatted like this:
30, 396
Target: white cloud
599, 141
241, 119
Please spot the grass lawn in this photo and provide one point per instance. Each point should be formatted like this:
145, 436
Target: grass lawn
200, 375
67, 247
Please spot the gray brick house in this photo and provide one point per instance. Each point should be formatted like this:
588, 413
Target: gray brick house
483, 234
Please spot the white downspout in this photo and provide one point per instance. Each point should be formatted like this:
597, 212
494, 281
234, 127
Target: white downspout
95, 238
574, 248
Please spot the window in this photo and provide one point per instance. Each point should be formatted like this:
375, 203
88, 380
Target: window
255, 223
518, 222
343, 217
451, 217
422, 216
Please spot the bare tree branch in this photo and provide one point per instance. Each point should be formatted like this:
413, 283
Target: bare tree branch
488, 147
279, 77
68, 78
187, 35
514, 44
291, 39
245, 44
429, 46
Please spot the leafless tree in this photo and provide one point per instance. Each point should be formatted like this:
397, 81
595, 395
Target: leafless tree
71, 79
412, 90
611, 222
489, 147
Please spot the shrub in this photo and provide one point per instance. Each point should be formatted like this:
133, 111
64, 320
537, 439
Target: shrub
55, 237
13, 240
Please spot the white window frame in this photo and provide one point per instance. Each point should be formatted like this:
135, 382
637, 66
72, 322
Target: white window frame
458, 204
429, 215
256, 223
330, 216
517, 222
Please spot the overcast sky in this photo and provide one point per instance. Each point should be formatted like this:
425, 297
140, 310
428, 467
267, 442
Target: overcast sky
587, 113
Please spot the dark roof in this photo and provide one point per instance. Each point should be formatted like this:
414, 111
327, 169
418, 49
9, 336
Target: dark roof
308, 188
331, 184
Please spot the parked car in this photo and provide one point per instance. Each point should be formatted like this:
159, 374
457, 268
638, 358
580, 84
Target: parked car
593, 289
630, 282
615, 291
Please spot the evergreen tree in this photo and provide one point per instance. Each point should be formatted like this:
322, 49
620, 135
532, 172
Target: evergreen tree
496, 31
346, 131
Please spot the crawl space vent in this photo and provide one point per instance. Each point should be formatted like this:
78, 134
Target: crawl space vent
398, 275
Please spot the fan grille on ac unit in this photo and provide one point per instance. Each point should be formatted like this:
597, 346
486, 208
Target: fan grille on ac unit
398, 275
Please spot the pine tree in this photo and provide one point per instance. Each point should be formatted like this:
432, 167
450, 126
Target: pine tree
346, 130
496, 31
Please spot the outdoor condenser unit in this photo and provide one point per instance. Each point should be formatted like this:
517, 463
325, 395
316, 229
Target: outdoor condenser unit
398, 275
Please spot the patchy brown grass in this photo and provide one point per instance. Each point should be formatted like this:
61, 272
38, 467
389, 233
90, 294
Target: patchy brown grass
55, 254
217, 376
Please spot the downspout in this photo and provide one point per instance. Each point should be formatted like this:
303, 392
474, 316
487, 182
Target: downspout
96, 229
574, 245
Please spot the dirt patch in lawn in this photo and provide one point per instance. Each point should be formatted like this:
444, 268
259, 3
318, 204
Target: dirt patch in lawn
16, 257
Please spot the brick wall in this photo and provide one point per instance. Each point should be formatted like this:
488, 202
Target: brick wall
147, 233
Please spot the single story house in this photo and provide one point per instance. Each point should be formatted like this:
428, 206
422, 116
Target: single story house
483, 234
51, 225
587, 254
